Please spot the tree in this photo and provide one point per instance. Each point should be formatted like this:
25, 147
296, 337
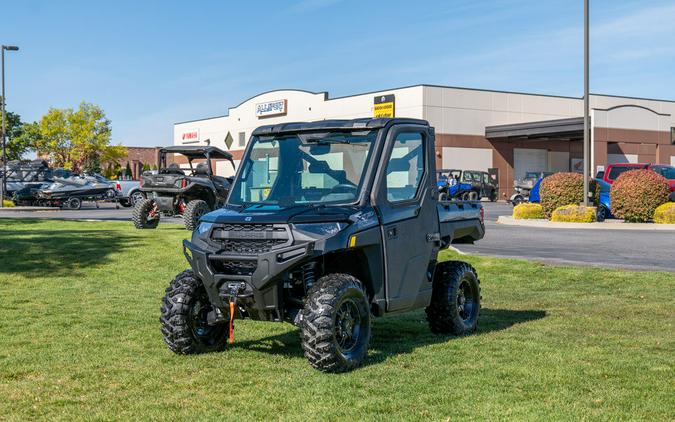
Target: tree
17, 144
128, 170
76, 139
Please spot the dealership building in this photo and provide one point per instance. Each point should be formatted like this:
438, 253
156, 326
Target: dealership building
476, 129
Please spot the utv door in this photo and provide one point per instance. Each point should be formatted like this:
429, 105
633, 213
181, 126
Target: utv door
406, 199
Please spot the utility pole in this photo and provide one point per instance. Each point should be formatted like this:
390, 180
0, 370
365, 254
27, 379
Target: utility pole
3, 185
587, 140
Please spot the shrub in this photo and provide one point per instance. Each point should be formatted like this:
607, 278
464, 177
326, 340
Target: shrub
665, 213
573, 214
527, 211
636, 194
7, 204
561, 189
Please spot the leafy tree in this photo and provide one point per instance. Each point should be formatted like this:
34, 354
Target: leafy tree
76, 139
17, 144
128, 170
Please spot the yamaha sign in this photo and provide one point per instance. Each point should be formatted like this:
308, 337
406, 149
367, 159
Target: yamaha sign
271, 108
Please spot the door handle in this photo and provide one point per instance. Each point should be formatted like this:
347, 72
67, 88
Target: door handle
392, 232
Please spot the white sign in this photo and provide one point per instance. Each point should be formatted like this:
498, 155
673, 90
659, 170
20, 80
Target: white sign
271, 108
191, 136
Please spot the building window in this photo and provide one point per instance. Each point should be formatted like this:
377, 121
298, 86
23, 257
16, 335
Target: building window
242, 139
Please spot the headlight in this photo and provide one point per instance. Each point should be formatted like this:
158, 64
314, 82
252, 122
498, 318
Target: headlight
204, 227
321, 229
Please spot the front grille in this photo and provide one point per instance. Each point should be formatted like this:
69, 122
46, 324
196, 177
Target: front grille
250, 239
234, 267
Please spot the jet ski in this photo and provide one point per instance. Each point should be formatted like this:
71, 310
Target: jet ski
73, 190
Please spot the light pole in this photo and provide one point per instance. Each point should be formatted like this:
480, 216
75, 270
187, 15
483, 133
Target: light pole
3, 185
587, 140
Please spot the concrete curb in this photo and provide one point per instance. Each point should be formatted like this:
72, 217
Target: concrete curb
29, 209
608, 225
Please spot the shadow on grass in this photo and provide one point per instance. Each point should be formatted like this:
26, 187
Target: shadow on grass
398, 334
38, 253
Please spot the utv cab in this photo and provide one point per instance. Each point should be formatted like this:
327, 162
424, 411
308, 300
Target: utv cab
189, 192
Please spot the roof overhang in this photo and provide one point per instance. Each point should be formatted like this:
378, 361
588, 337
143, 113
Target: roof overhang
560, 129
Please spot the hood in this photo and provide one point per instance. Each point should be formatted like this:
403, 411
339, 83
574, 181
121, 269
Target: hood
279, 215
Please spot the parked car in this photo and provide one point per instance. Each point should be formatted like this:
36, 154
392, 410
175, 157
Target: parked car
603, 206
666, 171
614, 170
129, 192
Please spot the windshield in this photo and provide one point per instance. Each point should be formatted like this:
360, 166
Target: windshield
304, 169
667, 172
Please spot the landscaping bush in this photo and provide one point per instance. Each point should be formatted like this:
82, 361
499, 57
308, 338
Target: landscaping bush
561, 189
7, 204
527, 211
665, 214
636, 194
573, 214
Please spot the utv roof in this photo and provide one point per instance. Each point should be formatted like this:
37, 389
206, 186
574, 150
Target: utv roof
196, 151
363, 123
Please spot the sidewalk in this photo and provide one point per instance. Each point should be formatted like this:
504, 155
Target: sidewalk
29, 209
507, 220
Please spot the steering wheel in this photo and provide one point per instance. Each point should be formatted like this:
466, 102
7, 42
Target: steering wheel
344, 188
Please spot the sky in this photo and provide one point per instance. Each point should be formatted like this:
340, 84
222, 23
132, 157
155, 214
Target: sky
150, 64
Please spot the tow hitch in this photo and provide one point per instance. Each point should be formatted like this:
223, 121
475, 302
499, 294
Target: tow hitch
233, 290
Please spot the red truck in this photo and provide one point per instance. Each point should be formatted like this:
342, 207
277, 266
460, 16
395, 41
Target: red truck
614, 170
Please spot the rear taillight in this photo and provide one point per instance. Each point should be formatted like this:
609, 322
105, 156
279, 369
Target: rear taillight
118, 186
184, 183
482, 215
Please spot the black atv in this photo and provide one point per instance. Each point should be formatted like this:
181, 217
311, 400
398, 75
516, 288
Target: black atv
328, 225
173, 192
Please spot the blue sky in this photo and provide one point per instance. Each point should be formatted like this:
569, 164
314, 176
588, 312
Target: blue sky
150, 64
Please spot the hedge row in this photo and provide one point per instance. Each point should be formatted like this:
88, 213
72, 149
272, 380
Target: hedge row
665, 213
528, 211
574, 214
561, 189
636, 194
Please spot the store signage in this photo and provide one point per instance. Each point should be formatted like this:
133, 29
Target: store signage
271, 108
383, 106
190, 136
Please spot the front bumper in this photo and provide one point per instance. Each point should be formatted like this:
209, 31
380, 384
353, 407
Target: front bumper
260, 279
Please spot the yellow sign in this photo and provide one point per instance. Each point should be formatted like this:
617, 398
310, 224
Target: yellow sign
383, 106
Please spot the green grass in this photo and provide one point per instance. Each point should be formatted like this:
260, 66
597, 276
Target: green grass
79, 339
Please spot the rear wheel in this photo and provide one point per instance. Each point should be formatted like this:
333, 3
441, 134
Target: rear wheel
335, 324
145, 215
474, 196
517, 200
493, 195
455, 299
184, 318
193, 212
74, 203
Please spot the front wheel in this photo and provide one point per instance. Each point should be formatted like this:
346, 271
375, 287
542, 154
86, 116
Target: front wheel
455, 299
601, 213
184, 318
335, 324
145, 215
193, 212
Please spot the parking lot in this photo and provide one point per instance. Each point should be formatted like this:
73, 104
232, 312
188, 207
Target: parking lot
641, 250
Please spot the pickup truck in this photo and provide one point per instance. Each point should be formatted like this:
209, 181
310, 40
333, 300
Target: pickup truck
327, 225
129, 192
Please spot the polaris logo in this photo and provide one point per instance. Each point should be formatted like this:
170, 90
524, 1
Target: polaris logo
248, 218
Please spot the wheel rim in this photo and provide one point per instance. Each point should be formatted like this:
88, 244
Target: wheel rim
466, 301
199, 326
137, 196
347, 326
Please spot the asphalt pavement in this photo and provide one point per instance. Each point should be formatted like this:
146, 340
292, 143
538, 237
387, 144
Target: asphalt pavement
635, 249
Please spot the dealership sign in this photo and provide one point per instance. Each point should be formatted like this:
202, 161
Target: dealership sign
383, 106
190, 136
271, 108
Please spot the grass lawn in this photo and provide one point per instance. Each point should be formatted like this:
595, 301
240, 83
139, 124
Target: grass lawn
79, 339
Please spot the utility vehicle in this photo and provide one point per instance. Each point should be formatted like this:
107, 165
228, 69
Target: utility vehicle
173, 192
327, 225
